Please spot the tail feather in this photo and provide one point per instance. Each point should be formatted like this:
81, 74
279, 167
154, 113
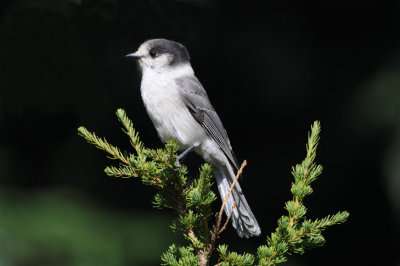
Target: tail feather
243, 219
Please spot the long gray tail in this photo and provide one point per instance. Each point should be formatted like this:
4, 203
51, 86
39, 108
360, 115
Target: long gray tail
243, 219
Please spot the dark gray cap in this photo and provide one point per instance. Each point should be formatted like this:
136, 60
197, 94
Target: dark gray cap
161, 46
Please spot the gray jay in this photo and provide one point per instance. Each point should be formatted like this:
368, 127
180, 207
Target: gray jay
180, 109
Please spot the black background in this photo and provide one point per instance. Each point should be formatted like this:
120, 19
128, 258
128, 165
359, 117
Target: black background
270, 69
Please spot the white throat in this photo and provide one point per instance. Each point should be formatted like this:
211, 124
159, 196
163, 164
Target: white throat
167, 71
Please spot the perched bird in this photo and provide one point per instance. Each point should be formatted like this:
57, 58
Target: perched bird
180, 109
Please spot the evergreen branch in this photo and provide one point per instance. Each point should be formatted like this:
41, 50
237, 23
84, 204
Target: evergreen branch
123, 171
192, 202
330, 220
131, 132
233, 258
158, 156
294, 233
179, 256
102, 144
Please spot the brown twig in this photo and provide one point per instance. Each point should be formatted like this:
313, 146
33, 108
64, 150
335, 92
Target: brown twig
217, 230
227, 219
229, 192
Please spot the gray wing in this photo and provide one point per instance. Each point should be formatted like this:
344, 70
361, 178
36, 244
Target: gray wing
195, 98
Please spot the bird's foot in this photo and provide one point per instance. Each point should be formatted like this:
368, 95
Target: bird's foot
177, 163
182, 156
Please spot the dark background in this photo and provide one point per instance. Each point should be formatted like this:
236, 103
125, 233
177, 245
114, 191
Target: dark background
270, 70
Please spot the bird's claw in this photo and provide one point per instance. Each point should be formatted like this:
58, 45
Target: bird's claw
177, 163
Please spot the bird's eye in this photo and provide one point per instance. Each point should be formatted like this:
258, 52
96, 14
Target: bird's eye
153, 53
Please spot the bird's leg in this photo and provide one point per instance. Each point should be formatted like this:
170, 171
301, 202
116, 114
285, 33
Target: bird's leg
181, 156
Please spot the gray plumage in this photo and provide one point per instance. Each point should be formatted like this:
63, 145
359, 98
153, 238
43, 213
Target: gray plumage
195, 97
179, 108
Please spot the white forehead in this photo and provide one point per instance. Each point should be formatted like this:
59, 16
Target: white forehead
143, 48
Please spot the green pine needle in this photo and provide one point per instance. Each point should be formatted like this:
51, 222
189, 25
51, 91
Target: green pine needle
102, 144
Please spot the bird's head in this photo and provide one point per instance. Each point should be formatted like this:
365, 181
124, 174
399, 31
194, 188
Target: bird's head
160, 54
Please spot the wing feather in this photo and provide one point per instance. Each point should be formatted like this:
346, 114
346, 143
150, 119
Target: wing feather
196, 100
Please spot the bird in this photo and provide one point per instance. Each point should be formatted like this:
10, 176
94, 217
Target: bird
180, 109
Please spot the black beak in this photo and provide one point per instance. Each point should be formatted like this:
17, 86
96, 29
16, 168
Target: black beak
133, 56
